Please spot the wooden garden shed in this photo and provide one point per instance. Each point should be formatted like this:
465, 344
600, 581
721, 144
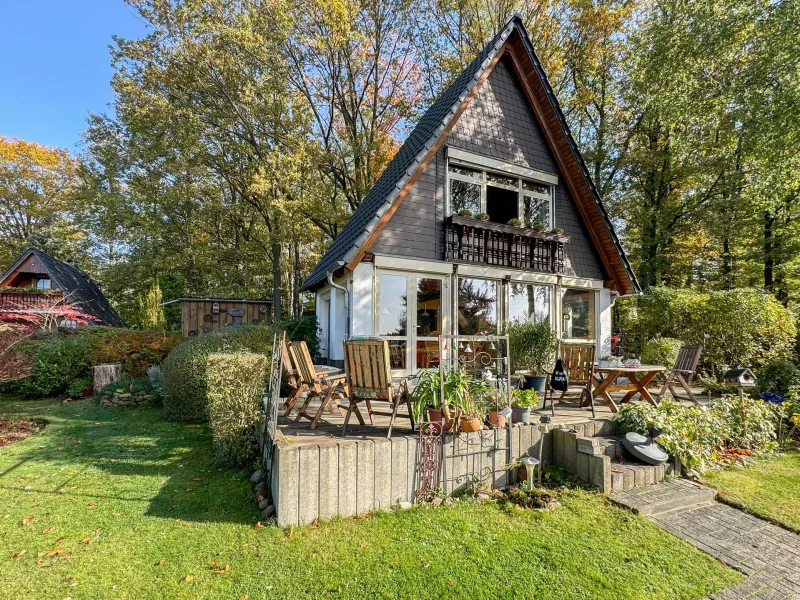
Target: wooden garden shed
202, 315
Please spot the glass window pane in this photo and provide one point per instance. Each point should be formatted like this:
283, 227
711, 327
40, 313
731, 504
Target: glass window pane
464, 196
529, 302
427, 354
536, 187
465, 171
501, 179
429, 304
43, 284
397, 354
392, 305
477, 306
537, 210
577, 313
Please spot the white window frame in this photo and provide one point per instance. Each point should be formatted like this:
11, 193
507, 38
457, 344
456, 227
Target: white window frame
560, 316
506, 171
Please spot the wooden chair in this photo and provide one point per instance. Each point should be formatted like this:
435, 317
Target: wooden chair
578, 362
682, 373
296, 388
317, 385
369, 379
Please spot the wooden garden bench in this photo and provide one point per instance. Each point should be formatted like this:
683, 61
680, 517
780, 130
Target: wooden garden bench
369, 379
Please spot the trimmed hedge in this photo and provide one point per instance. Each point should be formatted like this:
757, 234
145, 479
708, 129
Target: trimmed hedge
747, 326
235, 384
185, 394
661, 351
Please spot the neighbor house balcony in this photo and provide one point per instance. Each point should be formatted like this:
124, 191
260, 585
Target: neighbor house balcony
469, 240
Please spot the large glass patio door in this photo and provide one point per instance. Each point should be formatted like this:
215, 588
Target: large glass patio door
411, 315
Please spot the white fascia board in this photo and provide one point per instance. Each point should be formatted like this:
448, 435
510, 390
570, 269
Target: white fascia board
581, 282
486, 162
384, 261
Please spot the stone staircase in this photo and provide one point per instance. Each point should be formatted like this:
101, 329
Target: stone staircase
627, 472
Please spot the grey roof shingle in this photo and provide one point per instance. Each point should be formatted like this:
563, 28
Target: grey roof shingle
83, 293
421, 139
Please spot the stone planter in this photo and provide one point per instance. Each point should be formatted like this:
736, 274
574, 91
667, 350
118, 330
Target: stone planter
520, 415
140, 398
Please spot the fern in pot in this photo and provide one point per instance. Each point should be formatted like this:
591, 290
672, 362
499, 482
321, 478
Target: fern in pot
533, 347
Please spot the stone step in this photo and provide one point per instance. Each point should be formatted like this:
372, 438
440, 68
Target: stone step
667, 496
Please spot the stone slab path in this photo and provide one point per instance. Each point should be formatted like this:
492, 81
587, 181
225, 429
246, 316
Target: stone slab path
766, 553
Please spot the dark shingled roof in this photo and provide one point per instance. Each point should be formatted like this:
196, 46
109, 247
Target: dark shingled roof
422, 138
81, 291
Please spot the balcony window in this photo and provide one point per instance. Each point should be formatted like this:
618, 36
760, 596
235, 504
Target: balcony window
43, 283
502, 196
577, 314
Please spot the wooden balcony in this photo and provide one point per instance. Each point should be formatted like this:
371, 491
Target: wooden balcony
472, 241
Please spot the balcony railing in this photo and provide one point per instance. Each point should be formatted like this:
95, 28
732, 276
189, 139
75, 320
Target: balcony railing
473, 241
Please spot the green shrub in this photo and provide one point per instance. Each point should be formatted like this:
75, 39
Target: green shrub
136, 350
661, 351
778, 377
58, 360
184, 370
305, 329
77, 386
235, 383
746, 326
698, 434
532, 346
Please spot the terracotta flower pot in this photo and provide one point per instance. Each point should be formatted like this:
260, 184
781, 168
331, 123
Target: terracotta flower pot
469, 424
88, 391
436, 415
496, 419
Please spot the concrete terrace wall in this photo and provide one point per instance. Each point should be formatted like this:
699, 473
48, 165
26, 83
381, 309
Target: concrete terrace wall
350, 477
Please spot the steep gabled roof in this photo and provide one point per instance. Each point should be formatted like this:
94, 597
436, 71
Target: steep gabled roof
78, 287
376, 209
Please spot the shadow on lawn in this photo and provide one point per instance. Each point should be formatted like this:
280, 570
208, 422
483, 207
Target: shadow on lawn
128, 454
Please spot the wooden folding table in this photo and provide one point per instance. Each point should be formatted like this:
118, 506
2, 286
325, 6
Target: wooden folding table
638, 380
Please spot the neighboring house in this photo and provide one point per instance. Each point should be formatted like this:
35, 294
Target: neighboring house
203, 315
407, 267
37, 270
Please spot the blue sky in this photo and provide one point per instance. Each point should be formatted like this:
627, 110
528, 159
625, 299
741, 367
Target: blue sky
55, 66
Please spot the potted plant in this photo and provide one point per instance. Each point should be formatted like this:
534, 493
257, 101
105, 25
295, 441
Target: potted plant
521, 404
532, 347
558, 230
515, 222
464, 213
461, 394
427, 396
482, 216
539, 226
493, 414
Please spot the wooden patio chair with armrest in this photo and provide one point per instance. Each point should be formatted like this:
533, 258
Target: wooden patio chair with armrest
329, 388
295, 387
682, 373
578, 362
369, 379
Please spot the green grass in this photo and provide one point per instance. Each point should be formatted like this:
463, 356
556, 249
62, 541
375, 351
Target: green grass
120, 477
769, 488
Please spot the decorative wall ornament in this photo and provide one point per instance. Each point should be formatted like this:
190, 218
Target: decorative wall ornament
236, 312
215, 308
429, 461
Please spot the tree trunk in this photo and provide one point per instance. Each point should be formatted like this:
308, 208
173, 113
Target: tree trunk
276, 279
297, 308
769, 251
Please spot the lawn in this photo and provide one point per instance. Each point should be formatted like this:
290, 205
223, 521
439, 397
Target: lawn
118, 503
769, 488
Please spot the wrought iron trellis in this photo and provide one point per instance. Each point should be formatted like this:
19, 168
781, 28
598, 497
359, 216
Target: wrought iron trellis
272, 403
485, 356
429, 461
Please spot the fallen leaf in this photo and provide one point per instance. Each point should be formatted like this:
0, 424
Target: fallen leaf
195, 479
189, 490
224, 570
160, 562
60, 449
290, 533
113, 514
46, 531
259, 525
450, 581
86, 540
260, 554
363, 544
27, 520
278, 541
92, 505
189, 578
18, 554
244, 546
55, 551
79, 442
312, 555
61, 539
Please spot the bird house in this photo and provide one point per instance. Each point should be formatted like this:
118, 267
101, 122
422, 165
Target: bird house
741, 377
